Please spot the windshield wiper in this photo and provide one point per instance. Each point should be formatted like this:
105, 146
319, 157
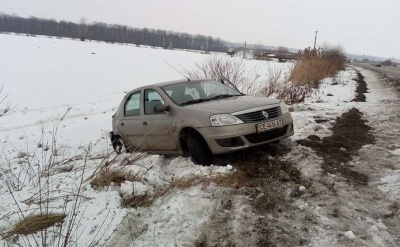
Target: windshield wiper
222, 96
195, 101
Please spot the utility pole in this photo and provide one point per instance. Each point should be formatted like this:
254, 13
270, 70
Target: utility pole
244, 50
315, 40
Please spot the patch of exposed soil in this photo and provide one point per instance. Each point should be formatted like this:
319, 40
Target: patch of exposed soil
361, 88
350, 133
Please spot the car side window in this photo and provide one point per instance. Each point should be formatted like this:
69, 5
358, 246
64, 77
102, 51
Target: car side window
152, 99
132, 105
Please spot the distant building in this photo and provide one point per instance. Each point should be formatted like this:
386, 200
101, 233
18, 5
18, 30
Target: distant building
280, 56
231, 51
387, 63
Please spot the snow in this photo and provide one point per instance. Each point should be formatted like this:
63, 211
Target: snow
302, 189
350, 235
85, 81
396, 152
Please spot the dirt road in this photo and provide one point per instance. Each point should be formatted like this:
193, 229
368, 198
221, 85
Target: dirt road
393, 72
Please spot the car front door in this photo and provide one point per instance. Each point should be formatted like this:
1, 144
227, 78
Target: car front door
131, 124
160, 134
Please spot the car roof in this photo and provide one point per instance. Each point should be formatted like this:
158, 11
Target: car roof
166, 83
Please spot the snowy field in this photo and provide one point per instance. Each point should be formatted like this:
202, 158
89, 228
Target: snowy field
65, 93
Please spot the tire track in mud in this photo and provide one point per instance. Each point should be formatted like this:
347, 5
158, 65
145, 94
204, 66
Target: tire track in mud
262, 209
229, 224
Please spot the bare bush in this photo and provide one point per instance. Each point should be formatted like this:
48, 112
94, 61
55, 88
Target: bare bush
275, 83
232, 68
42, 224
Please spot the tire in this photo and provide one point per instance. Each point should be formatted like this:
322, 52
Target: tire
119, 145
199, 151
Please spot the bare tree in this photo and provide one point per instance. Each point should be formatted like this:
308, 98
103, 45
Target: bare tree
5, 107
258, 50
82, 28
281, 53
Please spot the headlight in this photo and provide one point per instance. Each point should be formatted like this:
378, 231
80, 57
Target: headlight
284, 107
224, 119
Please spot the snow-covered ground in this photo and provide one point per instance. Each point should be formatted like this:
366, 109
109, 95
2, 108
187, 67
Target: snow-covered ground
85, 81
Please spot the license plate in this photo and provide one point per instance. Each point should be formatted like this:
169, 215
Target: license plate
269, 125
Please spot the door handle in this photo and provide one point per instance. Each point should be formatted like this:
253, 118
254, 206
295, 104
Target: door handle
122, 124
144, 123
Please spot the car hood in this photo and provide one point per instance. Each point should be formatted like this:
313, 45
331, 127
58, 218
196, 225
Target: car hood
233, 104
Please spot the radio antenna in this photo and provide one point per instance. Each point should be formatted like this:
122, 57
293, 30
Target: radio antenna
177, 70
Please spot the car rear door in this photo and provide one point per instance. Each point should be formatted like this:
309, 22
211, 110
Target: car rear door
131, 124
160, 134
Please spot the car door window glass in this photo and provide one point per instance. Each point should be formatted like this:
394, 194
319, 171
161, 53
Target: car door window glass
132, 105
152, 99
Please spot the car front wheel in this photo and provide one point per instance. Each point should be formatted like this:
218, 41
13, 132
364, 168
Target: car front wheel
199, 150
119, 145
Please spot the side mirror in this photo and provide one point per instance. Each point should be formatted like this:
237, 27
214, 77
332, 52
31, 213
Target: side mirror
162, 108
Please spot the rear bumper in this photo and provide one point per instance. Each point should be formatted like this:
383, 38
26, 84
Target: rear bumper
232, 138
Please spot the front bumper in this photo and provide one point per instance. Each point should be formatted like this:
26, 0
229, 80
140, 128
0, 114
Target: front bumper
226, 139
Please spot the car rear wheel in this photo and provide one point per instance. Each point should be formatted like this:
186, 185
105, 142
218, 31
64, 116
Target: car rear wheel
199, 150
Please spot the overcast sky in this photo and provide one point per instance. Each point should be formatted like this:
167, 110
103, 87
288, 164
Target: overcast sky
360, 26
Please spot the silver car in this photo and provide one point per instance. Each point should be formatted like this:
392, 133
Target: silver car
197, 118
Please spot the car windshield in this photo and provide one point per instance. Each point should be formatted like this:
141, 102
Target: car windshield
193, 92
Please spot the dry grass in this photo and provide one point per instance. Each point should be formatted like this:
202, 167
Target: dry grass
287, 92
267, 201
5, 107
21, 154
35, 223
108, 176
313, 66
187, 182
236, 179
135, 201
